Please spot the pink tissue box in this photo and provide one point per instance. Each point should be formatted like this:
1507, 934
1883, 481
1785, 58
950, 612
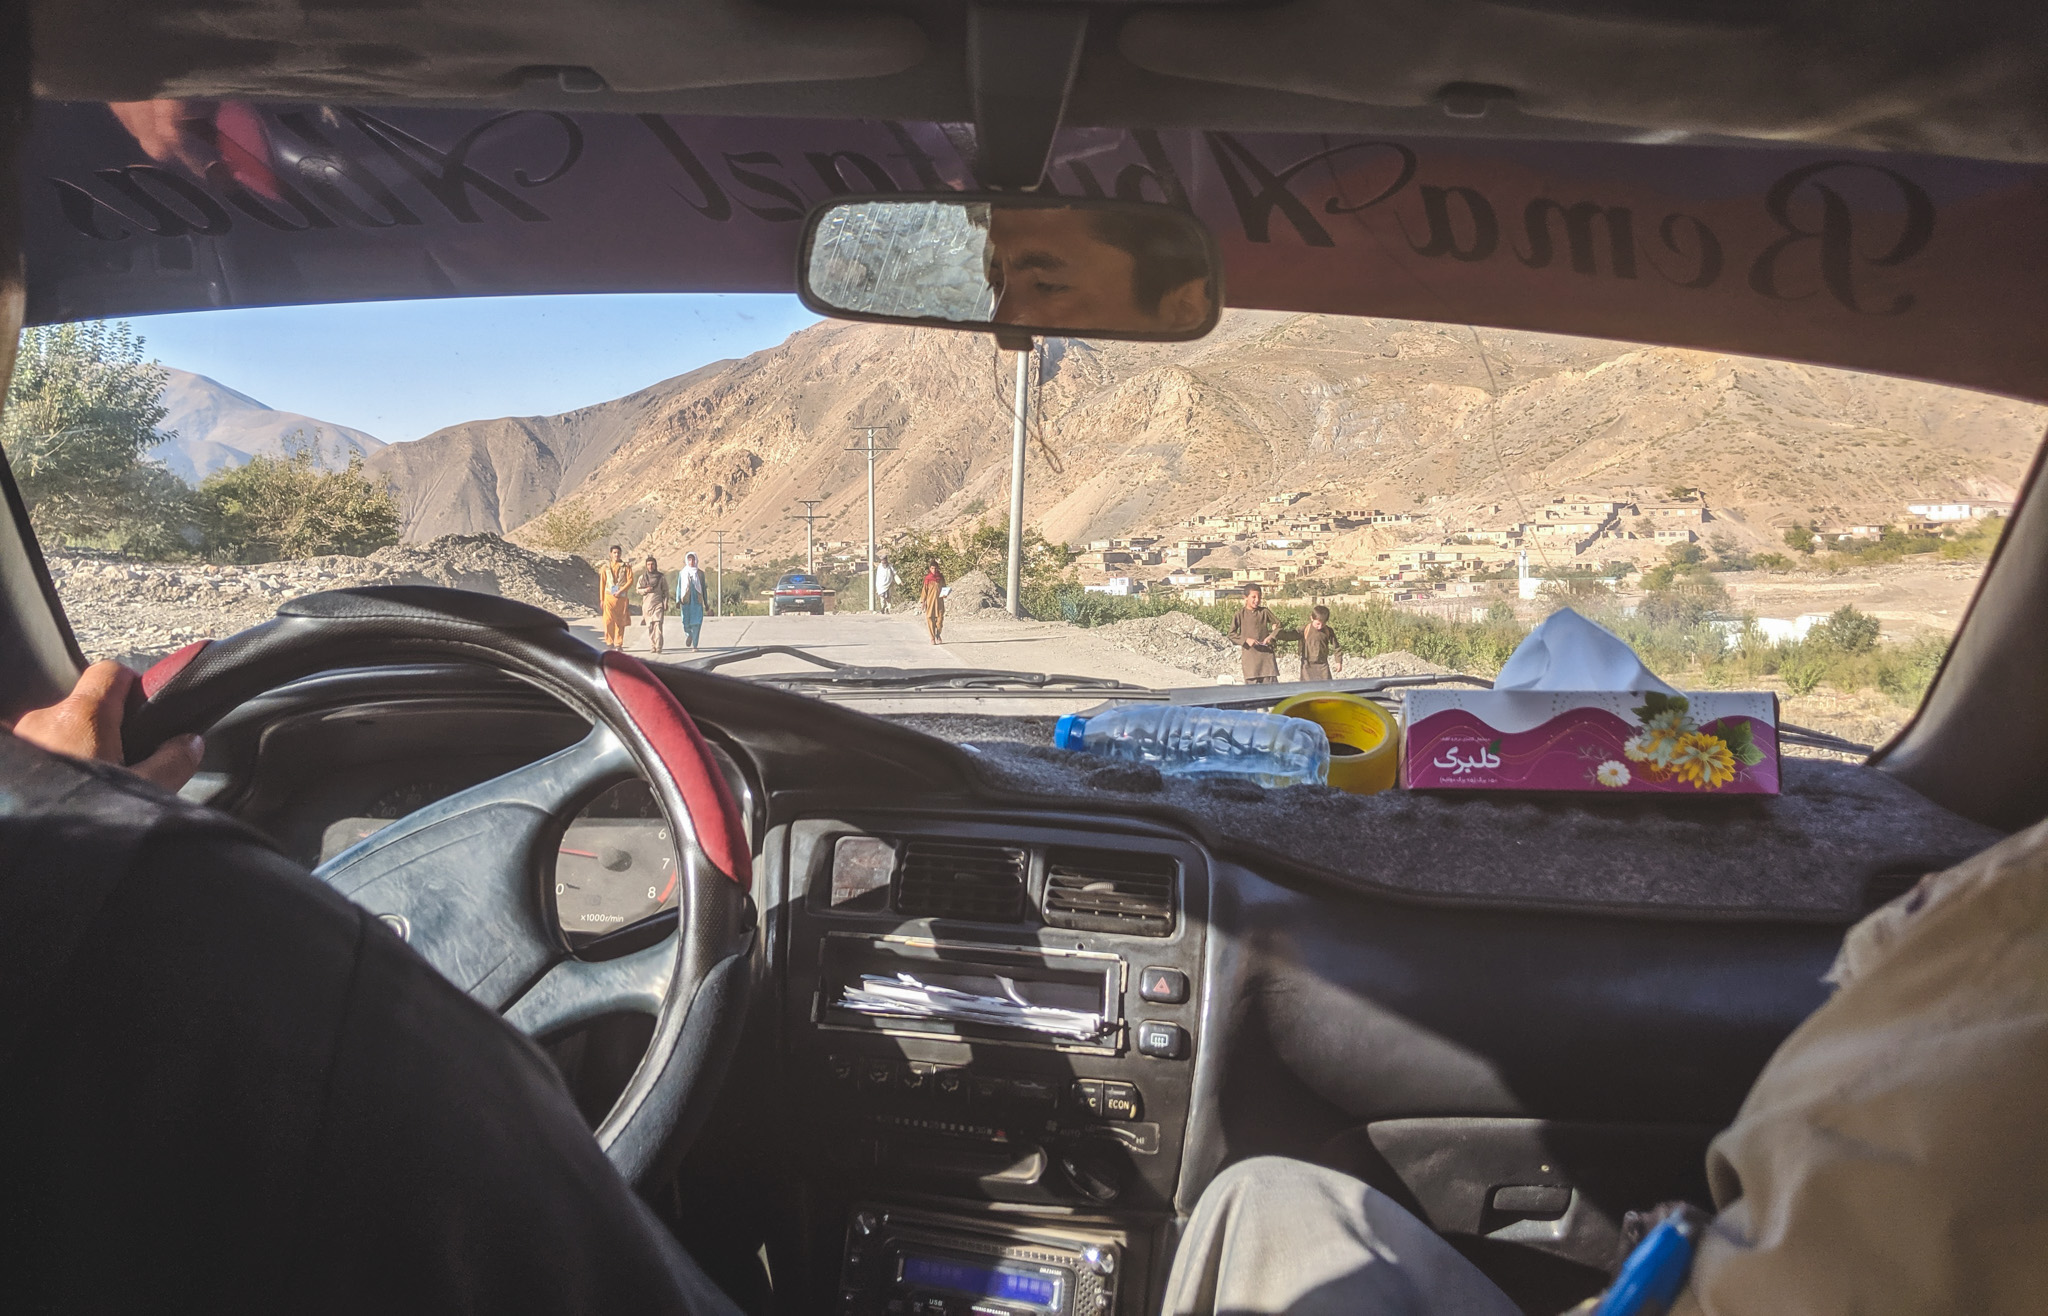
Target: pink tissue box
1606, 742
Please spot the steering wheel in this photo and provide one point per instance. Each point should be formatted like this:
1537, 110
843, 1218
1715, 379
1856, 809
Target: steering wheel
463, 879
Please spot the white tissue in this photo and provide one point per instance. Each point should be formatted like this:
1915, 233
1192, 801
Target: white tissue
1567, 652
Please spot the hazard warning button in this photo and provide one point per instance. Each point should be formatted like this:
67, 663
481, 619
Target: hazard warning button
1164, 986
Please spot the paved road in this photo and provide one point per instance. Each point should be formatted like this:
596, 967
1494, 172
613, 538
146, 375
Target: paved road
990, 640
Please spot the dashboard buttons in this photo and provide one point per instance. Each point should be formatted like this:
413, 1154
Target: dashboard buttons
840, 1069
1087, 1094
1034, 1091
1119, 1101
1162, 986
950, 1083
1162, 1041
876, 1073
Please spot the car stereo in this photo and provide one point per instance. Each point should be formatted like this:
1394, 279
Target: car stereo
905, 1263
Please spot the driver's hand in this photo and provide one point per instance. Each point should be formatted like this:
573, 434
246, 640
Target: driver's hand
86, 724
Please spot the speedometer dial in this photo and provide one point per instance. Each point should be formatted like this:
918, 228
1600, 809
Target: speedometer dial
612, 871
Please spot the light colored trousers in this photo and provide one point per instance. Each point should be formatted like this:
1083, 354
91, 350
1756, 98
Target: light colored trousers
1275, 1236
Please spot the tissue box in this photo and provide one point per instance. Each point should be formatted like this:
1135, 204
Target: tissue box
1605, 742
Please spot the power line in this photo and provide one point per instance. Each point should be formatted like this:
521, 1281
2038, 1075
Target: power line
718, 545
810, 520
870, 449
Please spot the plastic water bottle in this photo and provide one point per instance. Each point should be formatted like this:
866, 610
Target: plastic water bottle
1190, 741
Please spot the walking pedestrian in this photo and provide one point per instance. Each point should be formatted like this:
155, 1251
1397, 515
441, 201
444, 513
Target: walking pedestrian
614, 578
885, 580
653, 587
1322, 653
1255, 628
932, 598
690, 599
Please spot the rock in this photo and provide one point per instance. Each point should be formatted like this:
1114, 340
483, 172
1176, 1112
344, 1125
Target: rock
137, 612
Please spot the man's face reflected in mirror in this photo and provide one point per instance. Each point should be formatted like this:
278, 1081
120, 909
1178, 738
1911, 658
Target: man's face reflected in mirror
1093, 269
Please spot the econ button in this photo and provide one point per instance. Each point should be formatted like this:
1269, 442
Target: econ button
1162, 986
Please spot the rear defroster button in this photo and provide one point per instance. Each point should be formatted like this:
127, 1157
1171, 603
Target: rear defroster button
1162, 1041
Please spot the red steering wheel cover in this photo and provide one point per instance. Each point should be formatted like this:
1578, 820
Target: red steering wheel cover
668, 727
163, 669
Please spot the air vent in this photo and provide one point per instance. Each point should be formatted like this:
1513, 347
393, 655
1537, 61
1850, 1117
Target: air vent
1110, 891
949, 879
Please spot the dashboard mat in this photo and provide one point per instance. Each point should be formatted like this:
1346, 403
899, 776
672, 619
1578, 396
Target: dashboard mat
1841, 838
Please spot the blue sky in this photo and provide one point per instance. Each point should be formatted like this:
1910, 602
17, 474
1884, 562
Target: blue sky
400, 370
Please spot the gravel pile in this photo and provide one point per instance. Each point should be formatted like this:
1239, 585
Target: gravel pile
1178, 640
974, 592
135, 612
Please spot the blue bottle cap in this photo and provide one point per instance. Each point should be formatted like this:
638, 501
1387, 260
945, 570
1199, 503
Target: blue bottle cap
1067, 733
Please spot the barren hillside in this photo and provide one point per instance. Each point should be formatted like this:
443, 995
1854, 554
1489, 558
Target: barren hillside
1132, 437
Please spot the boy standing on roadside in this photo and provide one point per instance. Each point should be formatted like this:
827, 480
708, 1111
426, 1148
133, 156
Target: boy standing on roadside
1255, 628
1321, 651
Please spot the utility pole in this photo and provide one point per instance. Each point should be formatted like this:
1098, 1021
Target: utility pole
810, 520
719, 546
871, 450
1019, 414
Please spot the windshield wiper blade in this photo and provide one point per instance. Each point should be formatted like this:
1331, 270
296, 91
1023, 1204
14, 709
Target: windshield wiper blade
832, 674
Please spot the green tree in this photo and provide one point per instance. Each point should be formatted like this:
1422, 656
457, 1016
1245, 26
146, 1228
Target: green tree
1846, 630
81, 411
569, 528
986, 548
288, 507
1800, 538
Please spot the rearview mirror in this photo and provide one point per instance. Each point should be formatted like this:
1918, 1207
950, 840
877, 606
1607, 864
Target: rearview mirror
1016, 265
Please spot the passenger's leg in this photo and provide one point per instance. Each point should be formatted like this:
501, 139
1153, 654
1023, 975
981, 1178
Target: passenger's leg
1275, 1236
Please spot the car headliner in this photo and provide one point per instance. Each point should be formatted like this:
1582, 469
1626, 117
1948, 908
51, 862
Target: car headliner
1952, 77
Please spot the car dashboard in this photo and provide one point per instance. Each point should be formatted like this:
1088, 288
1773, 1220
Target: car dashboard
995, 1051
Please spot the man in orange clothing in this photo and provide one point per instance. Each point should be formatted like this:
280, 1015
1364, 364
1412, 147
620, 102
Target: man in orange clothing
614, 579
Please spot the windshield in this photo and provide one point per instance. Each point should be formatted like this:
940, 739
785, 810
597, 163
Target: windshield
1368, 497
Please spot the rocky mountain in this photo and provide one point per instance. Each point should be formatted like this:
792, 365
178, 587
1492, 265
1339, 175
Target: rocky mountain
213, 427
1442, 421
490, 475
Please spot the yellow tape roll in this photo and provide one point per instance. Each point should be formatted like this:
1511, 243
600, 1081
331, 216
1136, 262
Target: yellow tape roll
1365, 741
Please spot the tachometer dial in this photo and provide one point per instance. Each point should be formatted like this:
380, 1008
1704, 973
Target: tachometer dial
610, 871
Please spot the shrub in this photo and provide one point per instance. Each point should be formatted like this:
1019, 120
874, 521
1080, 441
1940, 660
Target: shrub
570, 528
1847, 631
1803, 671
1976, 543
288, 507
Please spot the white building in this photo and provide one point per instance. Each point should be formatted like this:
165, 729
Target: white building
1957, 511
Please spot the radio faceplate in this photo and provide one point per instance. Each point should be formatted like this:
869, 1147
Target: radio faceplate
909, 1263
981, 1108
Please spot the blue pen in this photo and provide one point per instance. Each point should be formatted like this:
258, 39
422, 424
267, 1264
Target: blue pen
1654, 1273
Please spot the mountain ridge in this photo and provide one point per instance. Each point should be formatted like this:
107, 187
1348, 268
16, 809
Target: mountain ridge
208, 427
1451, 424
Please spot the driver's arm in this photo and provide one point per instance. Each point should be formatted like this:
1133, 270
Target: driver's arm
227, 1088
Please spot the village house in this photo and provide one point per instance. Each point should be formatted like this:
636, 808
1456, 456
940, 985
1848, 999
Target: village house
1943, 512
